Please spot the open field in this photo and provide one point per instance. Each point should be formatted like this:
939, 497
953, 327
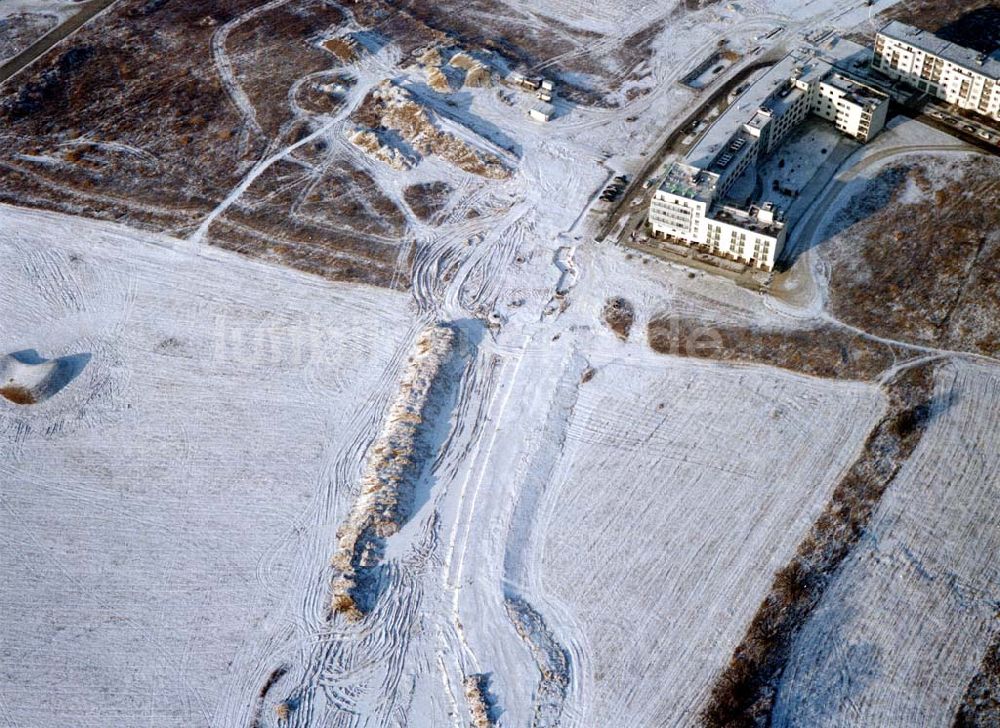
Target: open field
926, 560
664, 530
154, 523
425, 452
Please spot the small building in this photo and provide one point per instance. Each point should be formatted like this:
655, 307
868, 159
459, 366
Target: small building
542, 112
548, 85
947, 71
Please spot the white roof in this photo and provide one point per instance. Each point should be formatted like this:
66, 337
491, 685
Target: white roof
929, 43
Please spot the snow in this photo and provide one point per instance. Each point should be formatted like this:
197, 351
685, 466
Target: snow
169, 515
173, 501
916, 603
668, 511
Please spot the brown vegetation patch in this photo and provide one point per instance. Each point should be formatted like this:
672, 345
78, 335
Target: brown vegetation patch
925, 270
618, 315
344, 48
744, 693
981, 704
269, 53
17, 394
20, 30
130, 120
827, 351
426, 199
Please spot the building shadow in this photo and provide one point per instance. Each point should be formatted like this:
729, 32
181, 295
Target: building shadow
874, 194
978, 29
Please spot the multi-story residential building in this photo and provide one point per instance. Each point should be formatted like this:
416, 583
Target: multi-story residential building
690, 205
958, 75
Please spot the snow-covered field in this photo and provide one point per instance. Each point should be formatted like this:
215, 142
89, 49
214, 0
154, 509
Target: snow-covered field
165, 514
679, 492
595, 524
917, 602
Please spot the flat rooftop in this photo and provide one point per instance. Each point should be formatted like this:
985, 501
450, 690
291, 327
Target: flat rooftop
742, 110
782, 100
732, 153
746, 219
686, 181
859, 93
807, 63
930, 43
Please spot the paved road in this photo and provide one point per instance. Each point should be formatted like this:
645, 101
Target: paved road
30, 54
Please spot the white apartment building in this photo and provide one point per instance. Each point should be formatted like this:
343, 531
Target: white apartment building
690, 205
958, 75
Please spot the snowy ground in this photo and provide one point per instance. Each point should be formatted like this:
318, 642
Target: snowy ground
593, 511
159, 513
669, 511
927, 561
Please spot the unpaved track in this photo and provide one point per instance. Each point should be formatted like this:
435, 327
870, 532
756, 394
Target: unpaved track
30, 54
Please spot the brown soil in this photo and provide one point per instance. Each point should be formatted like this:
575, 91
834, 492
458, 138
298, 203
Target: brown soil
743, 694
618, 315
427, 198
16, 394
826, 351
928, 271
981, 704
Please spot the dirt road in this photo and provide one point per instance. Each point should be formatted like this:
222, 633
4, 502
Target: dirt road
30, 54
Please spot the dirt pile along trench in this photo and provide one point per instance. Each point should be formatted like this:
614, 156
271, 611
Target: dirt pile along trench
395, 462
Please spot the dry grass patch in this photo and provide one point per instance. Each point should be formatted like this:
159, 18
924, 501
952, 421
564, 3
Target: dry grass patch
344, 48
618, 315
389, 106
923, 265
427, 199
828, 351
393, 464
136, 125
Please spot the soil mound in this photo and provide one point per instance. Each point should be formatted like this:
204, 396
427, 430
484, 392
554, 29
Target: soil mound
27, 378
